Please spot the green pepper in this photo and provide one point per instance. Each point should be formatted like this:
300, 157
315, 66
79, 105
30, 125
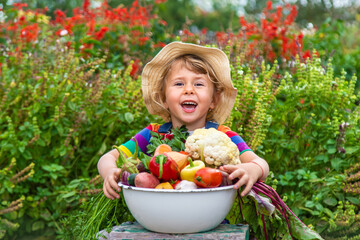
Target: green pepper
188, 172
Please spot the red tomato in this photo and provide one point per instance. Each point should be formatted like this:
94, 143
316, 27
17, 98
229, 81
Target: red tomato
174, 183
208, 177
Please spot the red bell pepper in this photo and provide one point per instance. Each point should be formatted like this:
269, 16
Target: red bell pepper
164, 167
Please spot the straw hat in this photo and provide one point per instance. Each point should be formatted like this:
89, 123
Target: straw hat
152, 81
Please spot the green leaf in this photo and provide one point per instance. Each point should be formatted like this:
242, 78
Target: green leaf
331, 150
354, 200
331, 142
301, 231
330, 201
351, 150
53, 176
319, 207
37, 225
69, 194
21, 148
129, 117
40, 142
52, 167
309, 204
322, 158
328, 212
336, 163
71, 105
26, 154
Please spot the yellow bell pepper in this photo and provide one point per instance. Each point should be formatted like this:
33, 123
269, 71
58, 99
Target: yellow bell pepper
164, 185
188, 172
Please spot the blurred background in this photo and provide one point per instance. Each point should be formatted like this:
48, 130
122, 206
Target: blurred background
220, 15
70, 89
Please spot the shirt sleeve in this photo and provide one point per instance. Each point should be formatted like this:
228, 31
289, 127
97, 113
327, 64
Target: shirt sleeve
142, 137
235, 138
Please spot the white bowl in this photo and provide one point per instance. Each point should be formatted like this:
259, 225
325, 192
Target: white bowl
179, 211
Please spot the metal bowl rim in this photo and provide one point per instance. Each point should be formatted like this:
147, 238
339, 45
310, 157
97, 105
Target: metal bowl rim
199, 190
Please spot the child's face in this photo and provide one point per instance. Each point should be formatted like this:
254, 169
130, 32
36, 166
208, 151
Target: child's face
189, 96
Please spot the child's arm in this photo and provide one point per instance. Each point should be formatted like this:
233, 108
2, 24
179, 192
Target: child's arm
110, 173
251, 169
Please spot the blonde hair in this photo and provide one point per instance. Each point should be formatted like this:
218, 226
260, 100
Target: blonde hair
198, 65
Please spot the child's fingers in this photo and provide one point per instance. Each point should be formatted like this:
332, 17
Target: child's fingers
228, 168
110, 192
247, 189
106, 193
238, 173
113, 183
243, 179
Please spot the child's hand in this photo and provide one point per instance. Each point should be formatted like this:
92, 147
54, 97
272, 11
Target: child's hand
246, 173
111, 183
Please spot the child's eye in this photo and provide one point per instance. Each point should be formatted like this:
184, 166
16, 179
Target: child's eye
199, 84
178, 84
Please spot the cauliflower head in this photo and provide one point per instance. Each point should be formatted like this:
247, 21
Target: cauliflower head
215, 146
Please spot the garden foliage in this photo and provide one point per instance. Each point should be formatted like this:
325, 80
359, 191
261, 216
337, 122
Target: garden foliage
69, 90
340, 40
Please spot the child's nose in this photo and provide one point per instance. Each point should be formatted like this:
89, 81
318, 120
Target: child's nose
189, 89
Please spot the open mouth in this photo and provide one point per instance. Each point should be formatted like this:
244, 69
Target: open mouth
189, 106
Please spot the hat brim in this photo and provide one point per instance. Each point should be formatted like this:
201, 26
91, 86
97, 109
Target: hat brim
153, 71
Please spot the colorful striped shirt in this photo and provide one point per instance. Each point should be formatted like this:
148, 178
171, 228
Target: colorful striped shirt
143, 137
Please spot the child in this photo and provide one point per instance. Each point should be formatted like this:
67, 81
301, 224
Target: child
189, 85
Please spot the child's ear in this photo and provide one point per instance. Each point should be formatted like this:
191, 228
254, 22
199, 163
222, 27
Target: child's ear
215, 100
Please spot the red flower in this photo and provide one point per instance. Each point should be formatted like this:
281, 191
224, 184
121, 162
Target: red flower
242, 21
135, 67
269, 5
22, 20
188, 33
162, 22
30, 32
91, 26
159, 45
101, 33
19, 6
306, 54
86, 6
271, 55
302, 101
59, 16
142, 40
204, 31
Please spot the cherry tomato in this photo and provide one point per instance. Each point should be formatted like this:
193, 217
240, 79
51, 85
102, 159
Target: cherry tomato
208, 177
174, 183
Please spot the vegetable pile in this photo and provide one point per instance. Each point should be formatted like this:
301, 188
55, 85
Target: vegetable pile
171, 165
168, 169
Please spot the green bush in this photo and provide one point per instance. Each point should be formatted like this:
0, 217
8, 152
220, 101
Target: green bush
58, 116
312, 139
341, 41
307, 126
